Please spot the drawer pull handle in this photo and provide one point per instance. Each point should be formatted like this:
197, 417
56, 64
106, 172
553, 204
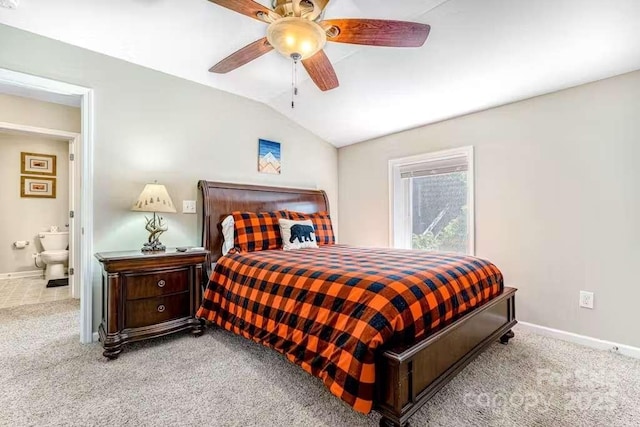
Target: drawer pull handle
161, 283
161, 308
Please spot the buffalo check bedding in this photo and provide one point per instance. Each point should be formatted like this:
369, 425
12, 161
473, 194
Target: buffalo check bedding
329, 309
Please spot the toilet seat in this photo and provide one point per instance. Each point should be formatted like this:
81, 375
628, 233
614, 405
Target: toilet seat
63, 251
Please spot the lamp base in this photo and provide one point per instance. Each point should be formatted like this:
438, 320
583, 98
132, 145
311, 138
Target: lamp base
154, 246
155, 226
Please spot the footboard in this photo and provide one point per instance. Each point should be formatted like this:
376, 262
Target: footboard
407, 378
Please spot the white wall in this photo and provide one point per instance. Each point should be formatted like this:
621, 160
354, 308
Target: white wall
557, 200
151, 126
23, 218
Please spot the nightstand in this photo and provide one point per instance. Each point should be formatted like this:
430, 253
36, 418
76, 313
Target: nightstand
147, 295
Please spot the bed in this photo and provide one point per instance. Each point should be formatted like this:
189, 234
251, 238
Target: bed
405, 373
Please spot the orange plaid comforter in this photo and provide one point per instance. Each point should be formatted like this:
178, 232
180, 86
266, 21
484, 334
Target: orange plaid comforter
329, 309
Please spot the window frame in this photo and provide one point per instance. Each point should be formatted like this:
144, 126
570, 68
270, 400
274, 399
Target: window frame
400, 195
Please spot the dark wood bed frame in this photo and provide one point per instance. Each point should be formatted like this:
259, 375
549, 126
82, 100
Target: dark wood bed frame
406, 378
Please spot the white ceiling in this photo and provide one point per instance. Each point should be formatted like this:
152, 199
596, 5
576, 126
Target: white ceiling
480, 54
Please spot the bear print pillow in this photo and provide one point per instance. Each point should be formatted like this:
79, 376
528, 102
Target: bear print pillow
297, 234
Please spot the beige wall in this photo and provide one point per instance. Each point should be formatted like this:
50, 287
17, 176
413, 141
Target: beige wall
24, 111
23, 218
151, 126
557, 200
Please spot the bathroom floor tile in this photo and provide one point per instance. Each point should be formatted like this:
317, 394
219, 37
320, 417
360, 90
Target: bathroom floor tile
29, 290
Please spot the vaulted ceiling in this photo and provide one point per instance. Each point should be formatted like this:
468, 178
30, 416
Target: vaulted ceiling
480, 54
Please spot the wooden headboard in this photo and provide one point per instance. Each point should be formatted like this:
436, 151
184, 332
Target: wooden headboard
216, 200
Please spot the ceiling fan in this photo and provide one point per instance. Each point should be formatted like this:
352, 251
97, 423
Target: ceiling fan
298, 30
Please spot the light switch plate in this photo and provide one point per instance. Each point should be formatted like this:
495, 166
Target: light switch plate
189, 206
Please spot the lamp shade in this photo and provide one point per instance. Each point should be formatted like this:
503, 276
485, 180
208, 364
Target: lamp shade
154, 198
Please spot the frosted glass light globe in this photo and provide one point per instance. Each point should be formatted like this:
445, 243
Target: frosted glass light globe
291, 36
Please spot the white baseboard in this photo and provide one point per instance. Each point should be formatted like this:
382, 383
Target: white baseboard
596, 343
21, 274
96, 337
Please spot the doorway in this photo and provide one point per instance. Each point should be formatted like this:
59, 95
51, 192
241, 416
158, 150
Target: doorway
38, 180
80, 178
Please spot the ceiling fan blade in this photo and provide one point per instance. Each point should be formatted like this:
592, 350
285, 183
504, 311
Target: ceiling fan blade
249, 8
321, 71
376, 32
246, 54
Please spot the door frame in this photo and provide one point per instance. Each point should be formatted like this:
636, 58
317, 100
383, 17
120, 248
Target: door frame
81, 196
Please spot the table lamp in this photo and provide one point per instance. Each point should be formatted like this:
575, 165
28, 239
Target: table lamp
154, 198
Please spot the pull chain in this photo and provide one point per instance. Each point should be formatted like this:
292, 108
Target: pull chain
294, 78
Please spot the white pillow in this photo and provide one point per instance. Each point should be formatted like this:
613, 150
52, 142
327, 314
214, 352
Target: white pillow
297, 234
228, 226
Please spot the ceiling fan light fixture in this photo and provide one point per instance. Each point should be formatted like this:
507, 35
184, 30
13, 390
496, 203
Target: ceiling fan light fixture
297, 29
293, 35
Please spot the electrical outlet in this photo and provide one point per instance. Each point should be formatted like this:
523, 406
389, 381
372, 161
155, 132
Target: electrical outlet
189, 206
586, 299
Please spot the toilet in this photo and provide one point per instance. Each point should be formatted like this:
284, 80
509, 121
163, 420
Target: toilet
55, 254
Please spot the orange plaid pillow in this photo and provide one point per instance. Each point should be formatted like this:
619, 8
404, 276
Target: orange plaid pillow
322, 224
257, 231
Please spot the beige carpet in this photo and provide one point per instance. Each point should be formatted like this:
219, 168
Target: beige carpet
48, 378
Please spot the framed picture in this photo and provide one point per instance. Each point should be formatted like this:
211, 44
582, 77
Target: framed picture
34, 186
269, 160
38, 164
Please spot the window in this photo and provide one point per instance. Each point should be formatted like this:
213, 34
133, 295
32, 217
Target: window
432, 201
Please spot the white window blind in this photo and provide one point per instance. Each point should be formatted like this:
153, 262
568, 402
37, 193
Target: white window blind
435, 167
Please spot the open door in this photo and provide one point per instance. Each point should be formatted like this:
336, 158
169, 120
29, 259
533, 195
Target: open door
74, 239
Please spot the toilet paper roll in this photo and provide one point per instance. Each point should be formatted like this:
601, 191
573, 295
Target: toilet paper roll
21, 244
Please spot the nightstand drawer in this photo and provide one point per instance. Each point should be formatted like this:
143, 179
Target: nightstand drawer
147, 312
156, 284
